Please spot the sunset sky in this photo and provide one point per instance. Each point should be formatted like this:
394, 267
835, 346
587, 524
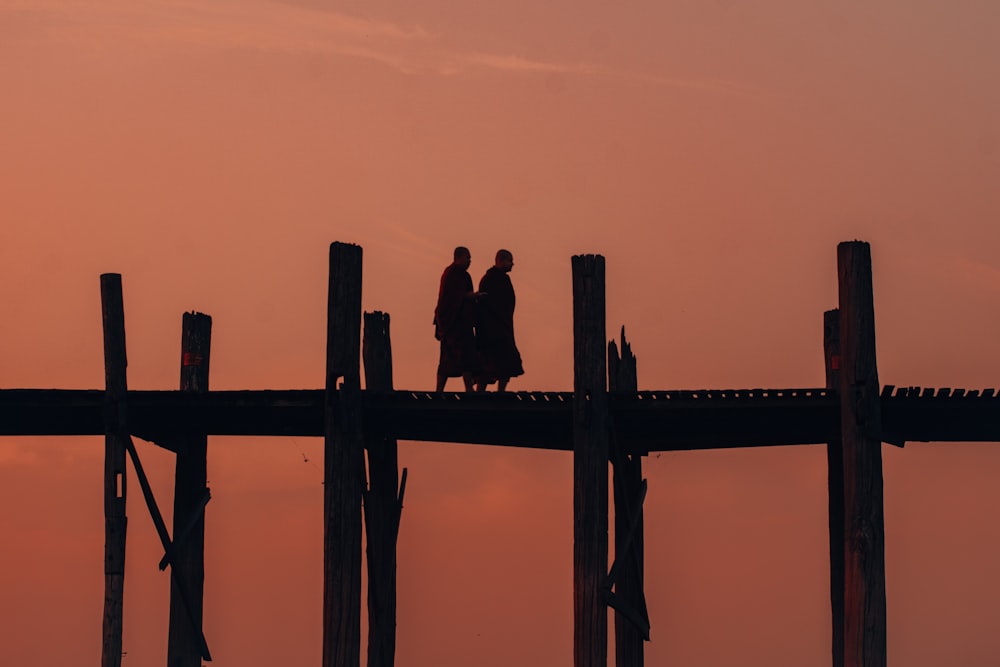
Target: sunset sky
714, 151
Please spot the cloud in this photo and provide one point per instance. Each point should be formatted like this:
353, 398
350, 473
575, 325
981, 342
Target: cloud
263, 25
250, 24
514, 63
407, 240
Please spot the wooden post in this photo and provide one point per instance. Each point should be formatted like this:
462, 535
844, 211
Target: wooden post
627, 491
590, 463
343, 461
190, 489
382, 502
115, 387
835, 486
861, 438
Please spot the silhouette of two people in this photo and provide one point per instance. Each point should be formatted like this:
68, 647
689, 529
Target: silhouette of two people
476, 328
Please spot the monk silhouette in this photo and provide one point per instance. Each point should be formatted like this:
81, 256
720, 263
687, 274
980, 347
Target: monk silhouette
454, 319
499, 357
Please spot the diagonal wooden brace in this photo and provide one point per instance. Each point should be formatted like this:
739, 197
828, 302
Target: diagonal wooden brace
638, 618
180, 538
631, 536
161, 530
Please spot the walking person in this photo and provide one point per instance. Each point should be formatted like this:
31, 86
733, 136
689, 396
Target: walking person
498, 353
454, 319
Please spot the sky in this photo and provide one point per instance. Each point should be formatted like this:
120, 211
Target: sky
715, 152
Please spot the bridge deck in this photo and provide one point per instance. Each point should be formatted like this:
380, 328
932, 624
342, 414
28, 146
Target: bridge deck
644, 421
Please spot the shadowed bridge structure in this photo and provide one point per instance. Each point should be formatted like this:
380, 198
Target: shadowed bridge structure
644, 421
604, 419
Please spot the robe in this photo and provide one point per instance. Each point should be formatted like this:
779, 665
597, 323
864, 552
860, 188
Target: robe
498, 352
454, 319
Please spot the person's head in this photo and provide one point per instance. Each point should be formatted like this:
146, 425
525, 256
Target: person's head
505, 260
463, 257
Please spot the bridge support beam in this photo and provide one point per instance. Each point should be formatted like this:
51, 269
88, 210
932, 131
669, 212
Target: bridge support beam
861, 438
631, 628
343, 462
116, 389
590, 463
835, 493
383, 501
190, 494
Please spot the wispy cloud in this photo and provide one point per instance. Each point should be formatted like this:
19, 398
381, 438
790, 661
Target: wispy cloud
264, 25
514, 63
410, 242
252, 24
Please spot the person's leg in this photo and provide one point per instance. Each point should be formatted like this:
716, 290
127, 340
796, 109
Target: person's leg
502, 384
441, 379
469, 386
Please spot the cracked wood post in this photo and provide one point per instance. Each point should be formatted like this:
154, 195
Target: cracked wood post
343, 462
381, 501
835, 491
629, 649
115, 387
190, 486
861, 438
590, 463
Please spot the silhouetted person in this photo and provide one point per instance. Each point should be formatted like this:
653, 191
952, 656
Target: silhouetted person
495, 325
454, 319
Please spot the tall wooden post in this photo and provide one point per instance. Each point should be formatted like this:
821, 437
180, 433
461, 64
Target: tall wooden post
835, 486
190, 489
590, 463
115, 387
343, 462
381, 502
628, 511
861, 437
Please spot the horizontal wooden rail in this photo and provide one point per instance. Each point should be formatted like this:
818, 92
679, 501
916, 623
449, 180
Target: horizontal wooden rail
914, 414
648, 420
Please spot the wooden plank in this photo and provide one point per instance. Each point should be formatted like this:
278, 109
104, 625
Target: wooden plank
590, 463
629, 543
343, 462
184, 643
861, 429
835, 491
115, 521
382, 501
646, 422
541, 420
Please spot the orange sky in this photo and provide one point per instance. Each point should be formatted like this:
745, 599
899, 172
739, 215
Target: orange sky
714, 152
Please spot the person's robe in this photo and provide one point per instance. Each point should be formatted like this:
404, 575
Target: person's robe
454, 319
498, 352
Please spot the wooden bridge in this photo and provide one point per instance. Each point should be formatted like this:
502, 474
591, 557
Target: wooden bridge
644, 421
605, 418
